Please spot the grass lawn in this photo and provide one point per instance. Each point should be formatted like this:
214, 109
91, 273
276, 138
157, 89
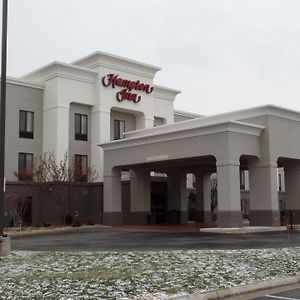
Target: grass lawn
137, 275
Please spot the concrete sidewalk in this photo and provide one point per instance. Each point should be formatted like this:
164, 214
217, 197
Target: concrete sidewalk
36, 231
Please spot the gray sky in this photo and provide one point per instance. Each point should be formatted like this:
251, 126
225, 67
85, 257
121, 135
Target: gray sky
223, 54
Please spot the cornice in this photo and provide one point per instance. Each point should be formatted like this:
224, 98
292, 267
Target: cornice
165, 93
103, 59
68, 76
187, 114
61, 69
17, 81
265, 110
118, 68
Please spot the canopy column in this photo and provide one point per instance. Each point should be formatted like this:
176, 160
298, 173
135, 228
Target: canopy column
140, 196
112, 203
229, 202
177, 197
263, 194
292, 190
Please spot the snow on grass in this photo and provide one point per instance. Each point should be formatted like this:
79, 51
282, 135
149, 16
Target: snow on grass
137, 275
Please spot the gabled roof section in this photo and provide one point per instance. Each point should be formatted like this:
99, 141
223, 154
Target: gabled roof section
98, 59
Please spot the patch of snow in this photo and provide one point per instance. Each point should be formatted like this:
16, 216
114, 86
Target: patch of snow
138, 275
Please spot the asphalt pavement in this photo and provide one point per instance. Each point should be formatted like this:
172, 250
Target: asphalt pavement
288, 295
120, 239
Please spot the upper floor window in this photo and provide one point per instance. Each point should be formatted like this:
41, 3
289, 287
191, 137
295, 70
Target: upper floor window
81, 127
81, 167
279, 183
158, 121
242, 180
25, 165
26, 124
119, 129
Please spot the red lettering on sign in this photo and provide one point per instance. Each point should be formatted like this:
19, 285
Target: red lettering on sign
149, 89
125, 95
128, 85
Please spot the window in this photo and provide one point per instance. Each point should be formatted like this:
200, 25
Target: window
81, 167
279, 183
25, 166
245, 208
158, 121
119, 129
81, 127
242, 180
26, 124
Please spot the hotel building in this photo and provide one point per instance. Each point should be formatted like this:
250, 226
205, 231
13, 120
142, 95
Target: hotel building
105, 111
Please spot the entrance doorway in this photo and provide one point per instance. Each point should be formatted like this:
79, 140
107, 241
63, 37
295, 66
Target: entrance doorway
158, 202
27, 212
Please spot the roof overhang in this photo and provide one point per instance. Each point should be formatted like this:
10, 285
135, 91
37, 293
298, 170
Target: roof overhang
156, 137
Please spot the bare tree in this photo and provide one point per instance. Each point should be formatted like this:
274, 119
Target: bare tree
213, 195
15, 206
55, 179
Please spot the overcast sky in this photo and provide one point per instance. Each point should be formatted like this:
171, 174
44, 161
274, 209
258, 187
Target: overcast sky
223, 55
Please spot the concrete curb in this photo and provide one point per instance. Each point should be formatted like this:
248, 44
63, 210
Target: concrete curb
243, 230
240, 290
50, 231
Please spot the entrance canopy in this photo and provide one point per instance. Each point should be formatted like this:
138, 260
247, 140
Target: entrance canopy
205, 145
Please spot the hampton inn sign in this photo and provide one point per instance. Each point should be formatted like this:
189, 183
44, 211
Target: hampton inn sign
128, 85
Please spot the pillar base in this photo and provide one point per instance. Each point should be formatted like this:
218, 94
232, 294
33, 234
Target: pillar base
296, 216
140, 218
112, 218
198, 216
264, 218
177, 217
207, 217
229, 219
203, 216
5, 247
183, 217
